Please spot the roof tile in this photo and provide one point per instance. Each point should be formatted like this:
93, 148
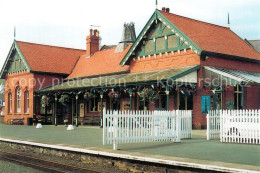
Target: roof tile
102, 62
50, 59
213, 38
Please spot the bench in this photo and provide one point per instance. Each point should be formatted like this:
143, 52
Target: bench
15, 121
90, 119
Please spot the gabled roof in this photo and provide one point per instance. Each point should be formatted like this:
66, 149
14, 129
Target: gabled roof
200, 36
49, 59
103, 62
213, 38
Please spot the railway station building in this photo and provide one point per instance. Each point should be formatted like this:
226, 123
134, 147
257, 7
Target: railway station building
174, 63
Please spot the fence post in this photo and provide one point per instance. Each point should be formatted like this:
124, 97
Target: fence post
208, 126
178, 126
104, 126
115, 130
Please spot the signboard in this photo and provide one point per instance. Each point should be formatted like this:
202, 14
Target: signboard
99, 106
126, 105
81, 110
205, 104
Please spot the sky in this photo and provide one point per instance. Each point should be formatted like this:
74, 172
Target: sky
66, 23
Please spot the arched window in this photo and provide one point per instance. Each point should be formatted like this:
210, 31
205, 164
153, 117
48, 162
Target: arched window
9, 102
26, 102
18, 100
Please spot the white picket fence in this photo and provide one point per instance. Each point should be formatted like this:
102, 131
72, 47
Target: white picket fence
144, 126
239, 126
213, 124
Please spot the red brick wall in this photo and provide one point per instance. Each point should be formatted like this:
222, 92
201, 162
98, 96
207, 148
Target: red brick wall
42, 81
27, 82
252, 97
232, 64
165, 61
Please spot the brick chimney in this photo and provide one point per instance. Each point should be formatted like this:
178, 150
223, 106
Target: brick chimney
92, 42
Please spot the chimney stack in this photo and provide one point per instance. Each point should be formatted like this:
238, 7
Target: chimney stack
167, 10
92, 42
163, 8
128, 37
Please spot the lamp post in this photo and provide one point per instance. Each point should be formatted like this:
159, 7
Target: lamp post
167, 97
101, 108
130, 91
55, 115
76, 107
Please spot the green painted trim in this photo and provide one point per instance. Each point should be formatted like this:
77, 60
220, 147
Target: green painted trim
157, 15
122, 85
232, 57
176, 28
21, 54
179, 75
13, 48
163, 51
101, 87
93, 76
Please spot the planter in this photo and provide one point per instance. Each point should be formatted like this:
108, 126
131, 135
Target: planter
70, 127
39, 126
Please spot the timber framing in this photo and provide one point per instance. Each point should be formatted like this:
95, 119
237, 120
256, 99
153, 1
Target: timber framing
157, 16
7, 63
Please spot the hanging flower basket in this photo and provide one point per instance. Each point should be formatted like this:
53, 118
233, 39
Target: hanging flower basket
64, 99
88, 95
148, 94
46, 101
114, 95
40, 118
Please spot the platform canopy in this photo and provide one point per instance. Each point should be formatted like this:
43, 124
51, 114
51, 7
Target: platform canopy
173, 75
220, 76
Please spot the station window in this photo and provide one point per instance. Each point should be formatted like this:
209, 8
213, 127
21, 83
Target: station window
162, 101
143, 105
18, 100
26, 102
238, 97
185, 100
9, 102
93, 104
216, 101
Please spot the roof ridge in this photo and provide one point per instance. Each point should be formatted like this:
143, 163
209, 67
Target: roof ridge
194, 20
49, 45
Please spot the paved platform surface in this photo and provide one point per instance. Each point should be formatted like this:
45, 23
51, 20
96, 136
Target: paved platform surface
196, 150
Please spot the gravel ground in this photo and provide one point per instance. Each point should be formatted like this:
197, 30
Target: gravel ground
9, 167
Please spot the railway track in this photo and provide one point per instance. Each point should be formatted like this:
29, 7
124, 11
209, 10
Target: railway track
43, 165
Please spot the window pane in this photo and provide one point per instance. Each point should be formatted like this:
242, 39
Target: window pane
26, 102
160, 43
18, 100
10, 103
149, 46
172, 41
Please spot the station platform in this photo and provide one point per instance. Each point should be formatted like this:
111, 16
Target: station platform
192, 153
